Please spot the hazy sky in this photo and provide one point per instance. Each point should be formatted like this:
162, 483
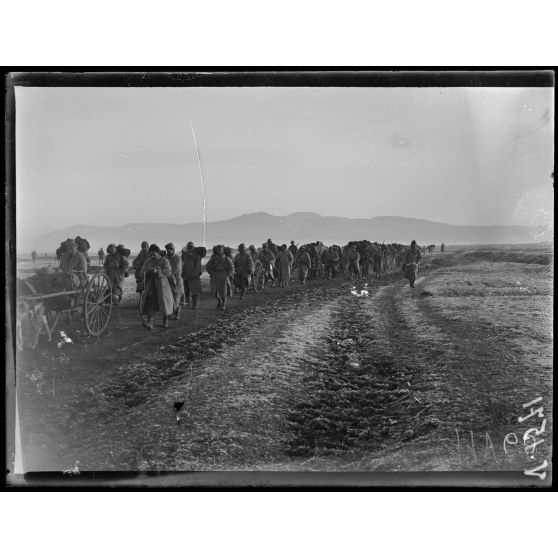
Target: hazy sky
111, 156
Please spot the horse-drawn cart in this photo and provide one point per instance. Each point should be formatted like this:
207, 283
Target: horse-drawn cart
43, 298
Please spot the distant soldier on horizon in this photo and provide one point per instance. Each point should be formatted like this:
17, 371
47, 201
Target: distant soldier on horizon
101, 254
33, 256
442, 248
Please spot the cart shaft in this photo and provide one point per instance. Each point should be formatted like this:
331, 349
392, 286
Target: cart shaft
50, 295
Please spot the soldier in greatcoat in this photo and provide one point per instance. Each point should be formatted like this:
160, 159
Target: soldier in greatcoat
158, 294
243, 268
283, 264
267, 257
220, 269
116, 266
175, 280
304, 263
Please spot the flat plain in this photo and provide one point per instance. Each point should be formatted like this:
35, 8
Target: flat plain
309, 378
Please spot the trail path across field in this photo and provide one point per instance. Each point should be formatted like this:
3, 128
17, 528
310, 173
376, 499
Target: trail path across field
309, 379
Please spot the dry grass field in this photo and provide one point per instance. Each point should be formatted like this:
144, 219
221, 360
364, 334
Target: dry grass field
310, 378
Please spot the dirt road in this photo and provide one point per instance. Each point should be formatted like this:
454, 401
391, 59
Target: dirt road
307, 378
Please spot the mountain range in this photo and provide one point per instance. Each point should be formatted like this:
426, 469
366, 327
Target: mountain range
302, 227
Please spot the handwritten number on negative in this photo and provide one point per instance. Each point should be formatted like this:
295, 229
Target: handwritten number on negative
537, 400
511, 439
538, 412
534, 473
534, 432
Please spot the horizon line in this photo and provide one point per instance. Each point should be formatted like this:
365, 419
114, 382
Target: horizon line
281, 217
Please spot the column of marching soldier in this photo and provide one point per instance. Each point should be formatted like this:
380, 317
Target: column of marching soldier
166, 278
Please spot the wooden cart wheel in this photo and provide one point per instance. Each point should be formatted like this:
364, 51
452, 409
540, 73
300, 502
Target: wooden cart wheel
97, 304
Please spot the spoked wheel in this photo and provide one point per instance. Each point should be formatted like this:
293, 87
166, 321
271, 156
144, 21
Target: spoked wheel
97, 304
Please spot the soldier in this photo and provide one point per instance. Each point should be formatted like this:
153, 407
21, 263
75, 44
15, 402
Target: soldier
101, 254
116, 266
121, 249
304, 264
137, 265
228, 253
353, 258
272, 247
253, 252
442, 247
71, 259
332, 259
267, 257
412, 258
243, 267
220, 269
33, 256
191, 274
283, 264
293, 250
254, 255
175, 279
83, 246
158, 296
63, 248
